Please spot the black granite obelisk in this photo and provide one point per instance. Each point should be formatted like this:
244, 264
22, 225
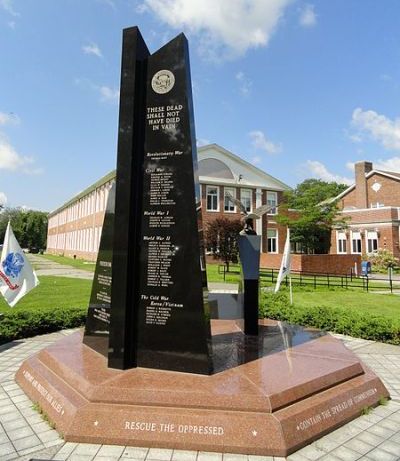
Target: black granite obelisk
157, 310
128, 209
97, 328
174, 329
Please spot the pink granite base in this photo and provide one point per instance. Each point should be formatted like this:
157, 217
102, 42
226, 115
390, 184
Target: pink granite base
270, 406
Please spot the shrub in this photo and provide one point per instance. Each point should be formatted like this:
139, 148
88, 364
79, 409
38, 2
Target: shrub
16, 324
382, 259
339, 320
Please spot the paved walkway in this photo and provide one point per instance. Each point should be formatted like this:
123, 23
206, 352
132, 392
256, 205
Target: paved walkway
377, 276
44, 266
24, 434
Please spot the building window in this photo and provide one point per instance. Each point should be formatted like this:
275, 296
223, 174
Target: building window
377, 205
245, 198
212, 198
356, 242
272, 240
272, 200
229, 207
296, 247
341, 242
372, 241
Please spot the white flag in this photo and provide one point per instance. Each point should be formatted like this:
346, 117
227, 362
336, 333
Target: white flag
16, 274
285, 264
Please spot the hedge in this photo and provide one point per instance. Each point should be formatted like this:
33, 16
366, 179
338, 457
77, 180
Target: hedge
17, 324
25, 323
339, 320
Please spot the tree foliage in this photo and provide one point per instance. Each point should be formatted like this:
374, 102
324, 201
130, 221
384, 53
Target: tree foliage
311, 222
221, 238
29, 226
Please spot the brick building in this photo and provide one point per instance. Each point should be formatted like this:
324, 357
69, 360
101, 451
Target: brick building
75, 227
372, 207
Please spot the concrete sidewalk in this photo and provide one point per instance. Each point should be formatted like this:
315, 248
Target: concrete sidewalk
24, 434
44, 266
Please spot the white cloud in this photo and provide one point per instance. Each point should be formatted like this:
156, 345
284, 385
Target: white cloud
256, 160
245, 83
390, 164
109, 3
260, 141
12, 24
12, 161
307, 18
236, 26
386, 77
92, 48
9, 119
318, 170
3, 199
108, 94
378, 127
141, 8
7, 5
356, 138
202, 142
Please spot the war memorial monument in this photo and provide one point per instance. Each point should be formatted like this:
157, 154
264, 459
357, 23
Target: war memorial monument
156, 366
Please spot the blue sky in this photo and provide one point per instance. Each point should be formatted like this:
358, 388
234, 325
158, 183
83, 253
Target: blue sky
301, 89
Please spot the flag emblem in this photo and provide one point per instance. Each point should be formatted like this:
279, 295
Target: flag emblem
13, 264
16, 274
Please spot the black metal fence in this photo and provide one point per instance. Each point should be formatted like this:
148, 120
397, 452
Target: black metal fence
314, 280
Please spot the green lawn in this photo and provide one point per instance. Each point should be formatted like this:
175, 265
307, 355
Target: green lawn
53, 292
386, 305
77, 263
214, 276
61, 302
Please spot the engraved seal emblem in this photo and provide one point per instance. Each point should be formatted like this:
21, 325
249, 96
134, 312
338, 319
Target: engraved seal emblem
163, 81
13, 264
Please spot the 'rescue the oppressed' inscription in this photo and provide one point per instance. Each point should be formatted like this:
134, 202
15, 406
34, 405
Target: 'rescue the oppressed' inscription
146, 426
150, 309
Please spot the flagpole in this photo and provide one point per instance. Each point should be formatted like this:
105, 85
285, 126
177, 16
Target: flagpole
290, 290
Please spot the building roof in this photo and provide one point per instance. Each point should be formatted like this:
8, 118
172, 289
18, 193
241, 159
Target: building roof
390, 174
268, 179
257, 177
109, 176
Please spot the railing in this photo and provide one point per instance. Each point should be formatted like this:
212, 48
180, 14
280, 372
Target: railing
314, 280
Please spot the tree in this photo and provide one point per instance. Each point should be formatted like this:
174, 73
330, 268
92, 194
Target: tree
314, 216
29, 226
221, 238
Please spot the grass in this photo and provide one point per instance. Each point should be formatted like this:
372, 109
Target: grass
53, 292
43, 414
59, 302
214, 276
385, 305
77, 263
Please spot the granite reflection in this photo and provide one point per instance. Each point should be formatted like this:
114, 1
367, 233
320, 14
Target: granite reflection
235, 348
